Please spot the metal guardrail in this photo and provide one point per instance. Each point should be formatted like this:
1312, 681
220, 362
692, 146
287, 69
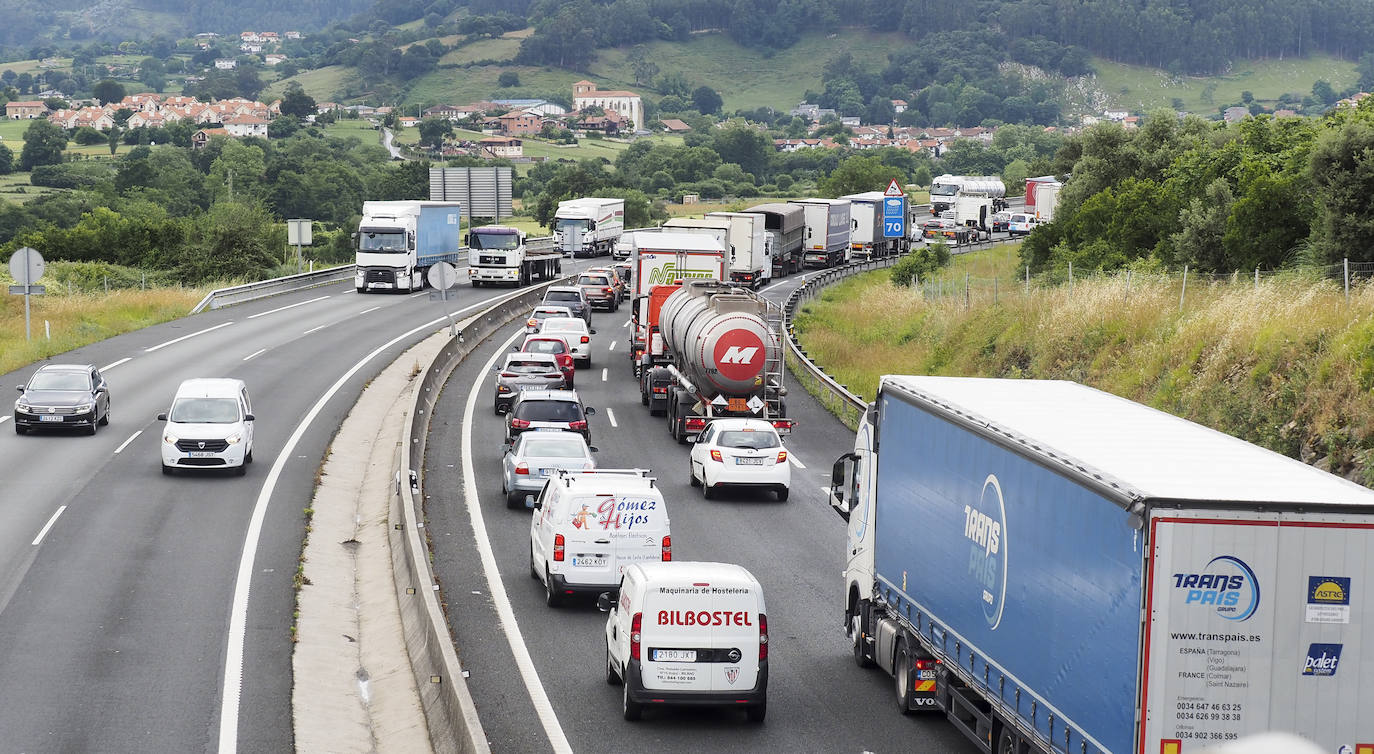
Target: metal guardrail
238, 294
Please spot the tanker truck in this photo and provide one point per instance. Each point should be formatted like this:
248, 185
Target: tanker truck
723, 348
944, 188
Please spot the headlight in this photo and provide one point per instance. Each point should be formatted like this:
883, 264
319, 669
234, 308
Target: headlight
84, 407
169, 439
234, 439
21, 405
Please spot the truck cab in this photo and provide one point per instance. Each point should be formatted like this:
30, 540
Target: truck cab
495, 254
397, 243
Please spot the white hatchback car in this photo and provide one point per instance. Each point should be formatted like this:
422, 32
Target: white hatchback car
578, 335
740, 452
209, 426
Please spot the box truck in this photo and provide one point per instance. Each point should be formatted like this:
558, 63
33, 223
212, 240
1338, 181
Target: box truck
785, 225
589, 226
866, 238
751, 261
826, 240
399, 241
1057, 569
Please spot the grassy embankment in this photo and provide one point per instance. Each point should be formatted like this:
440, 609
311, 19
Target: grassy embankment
83, 313
1288, 364
1142, 89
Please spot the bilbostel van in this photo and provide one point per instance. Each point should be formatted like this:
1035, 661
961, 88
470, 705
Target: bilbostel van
687, 633
588, 525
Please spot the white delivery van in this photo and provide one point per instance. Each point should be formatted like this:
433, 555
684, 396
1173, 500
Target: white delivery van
209, 426
587, 526
688, 633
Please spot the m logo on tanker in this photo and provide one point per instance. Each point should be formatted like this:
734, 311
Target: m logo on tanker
738, 354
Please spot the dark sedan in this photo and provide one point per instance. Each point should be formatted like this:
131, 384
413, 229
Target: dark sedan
63, 396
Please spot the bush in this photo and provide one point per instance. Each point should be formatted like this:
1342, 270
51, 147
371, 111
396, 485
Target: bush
922, 261
72, 175
88, 136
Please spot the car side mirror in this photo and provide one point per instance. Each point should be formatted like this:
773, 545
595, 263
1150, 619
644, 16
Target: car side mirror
162, 417
589, 411
593, 449
248, 417
591, 332
605, 602
20, 388
692, 438
532, 504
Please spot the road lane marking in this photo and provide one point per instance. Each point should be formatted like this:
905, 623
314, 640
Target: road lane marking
258, 352
792, 458
313, 329
38, 539
496, 588
126, 442
610, 414
184, 337
612, 348
373, 309
231, 689
603, 374
284, 308
626, 323
117, 363
4, 419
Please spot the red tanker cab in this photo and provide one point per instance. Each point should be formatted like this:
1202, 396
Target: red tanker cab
588, 526
685, 633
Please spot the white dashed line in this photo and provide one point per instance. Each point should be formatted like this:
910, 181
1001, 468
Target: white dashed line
313, 329
603, 374
184, 337
612, 348
117, 363
125, 444
825, 492
626, 323
792, 458
258, 352
38, 539
373, 309
4, 419
610, 416
284, 308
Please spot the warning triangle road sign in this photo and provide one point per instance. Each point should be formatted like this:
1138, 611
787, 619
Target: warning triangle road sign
893, 189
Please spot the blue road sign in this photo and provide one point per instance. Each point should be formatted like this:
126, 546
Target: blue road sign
894, 217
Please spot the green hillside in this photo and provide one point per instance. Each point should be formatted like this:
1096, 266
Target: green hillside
1142, 89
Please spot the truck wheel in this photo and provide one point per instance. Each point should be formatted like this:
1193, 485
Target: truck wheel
630, 708
1007, 742
756, 712
856, 636
901, 675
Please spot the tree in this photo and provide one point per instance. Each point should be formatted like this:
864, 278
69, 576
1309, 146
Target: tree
1365, 69
1203, 226
860, 173
1344, 190
1322, 90
43, 145
107, 91
433, 131
508, 79
297, 103
706, 100
6, 160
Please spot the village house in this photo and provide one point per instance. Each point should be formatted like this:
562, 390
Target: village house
226, 64
675, 126
202, 137
627, 104
406, 121
518, 124
501, 146
25, 109
274, 59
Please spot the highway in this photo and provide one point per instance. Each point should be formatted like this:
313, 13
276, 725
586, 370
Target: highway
119, 586
818, 699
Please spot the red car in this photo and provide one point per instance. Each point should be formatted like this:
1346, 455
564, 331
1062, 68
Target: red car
556, 345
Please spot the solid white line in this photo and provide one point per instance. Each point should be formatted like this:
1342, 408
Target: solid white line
255, 353
603, 374
4, 419
284, 308
313, 329
495, 586
184, 337
126, 442
373, 309
46, 527
117, 363
231, 691
792, 457
825, 491
612, 348
610, 414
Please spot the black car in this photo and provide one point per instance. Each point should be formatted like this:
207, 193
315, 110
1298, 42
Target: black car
63, 396
540, 410
1001, 222
572, 297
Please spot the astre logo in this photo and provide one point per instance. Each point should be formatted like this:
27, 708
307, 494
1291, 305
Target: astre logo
1226, 584
1322, 659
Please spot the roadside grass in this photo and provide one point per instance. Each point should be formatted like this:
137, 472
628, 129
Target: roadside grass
1287, 365
1141, 89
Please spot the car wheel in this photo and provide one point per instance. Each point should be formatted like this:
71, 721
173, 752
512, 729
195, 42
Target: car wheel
643, 398
95, 425
692, 474
248, 457
782, 493
631, 709
20, 429
708, 491
756, 712
612, 677
551, 597
105, 420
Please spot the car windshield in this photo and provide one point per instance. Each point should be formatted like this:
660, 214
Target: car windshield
747, 439
497, 241
549, 411
545, 447
528, 366
205, 411
60, 381
377, 240
593, 280
545, 346
562, 296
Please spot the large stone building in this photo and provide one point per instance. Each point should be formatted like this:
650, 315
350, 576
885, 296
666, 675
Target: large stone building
627, 104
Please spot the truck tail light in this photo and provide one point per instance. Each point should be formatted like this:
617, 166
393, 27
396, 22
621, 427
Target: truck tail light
667, 548
763, 636
558, 547
784, 425
925, 664
522, 468
519, 423
696, 424
579, 424
662, 390
782, 456
715, 456
635, 623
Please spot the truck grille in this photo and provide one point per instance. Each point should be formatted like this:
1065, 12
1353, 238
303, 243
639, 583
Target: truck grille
491, 259
380, 276
212, 446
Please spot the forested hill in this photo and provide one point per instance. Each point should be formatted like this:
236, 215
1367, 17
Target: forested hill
1182, 36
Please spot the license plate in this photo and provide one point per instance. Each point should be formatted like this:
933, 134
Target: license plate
675, 655
546, 472
749, 461
589, 562
200, 454
47, 418
925, 675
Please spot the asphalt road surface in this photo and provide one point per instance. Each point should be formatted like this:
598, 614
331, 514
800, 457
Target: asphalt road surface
819, 701
118, 585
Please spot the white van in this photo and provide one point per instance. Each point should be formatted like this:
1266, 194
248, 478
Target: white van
209, 426
688, 633
1020, 223
588, 525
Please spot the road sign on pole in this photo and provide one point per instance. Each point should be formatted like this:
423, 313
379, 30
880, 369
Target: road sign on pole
443, 278
299, 233
27, 266
894, 211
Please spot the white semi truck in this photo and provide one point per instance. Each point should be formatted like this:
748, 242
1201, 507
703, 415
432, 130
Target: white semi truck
399, 241
943, 189
588, 227
500, 255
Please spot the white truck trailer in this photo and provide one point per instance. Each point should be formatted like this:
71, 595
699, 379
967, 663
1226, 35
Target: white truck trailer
588, 227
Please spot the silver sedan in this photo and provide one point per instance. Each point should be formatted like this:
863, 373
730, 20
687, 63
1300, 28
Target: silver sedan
534, 456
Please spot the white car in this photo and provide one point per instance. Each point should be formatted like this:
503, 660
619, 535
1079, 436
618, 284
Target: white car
742, 453
209, 426
1020, 224
542, 313
576, 332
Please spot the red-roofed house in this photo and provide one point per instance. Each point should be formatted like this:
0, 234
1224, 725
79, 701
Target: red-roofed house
501, 146
25, 109
518, 124
627, 104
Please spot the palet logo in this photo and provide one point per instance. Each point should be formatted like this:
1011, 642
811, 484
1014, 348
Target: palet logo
1322, 660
